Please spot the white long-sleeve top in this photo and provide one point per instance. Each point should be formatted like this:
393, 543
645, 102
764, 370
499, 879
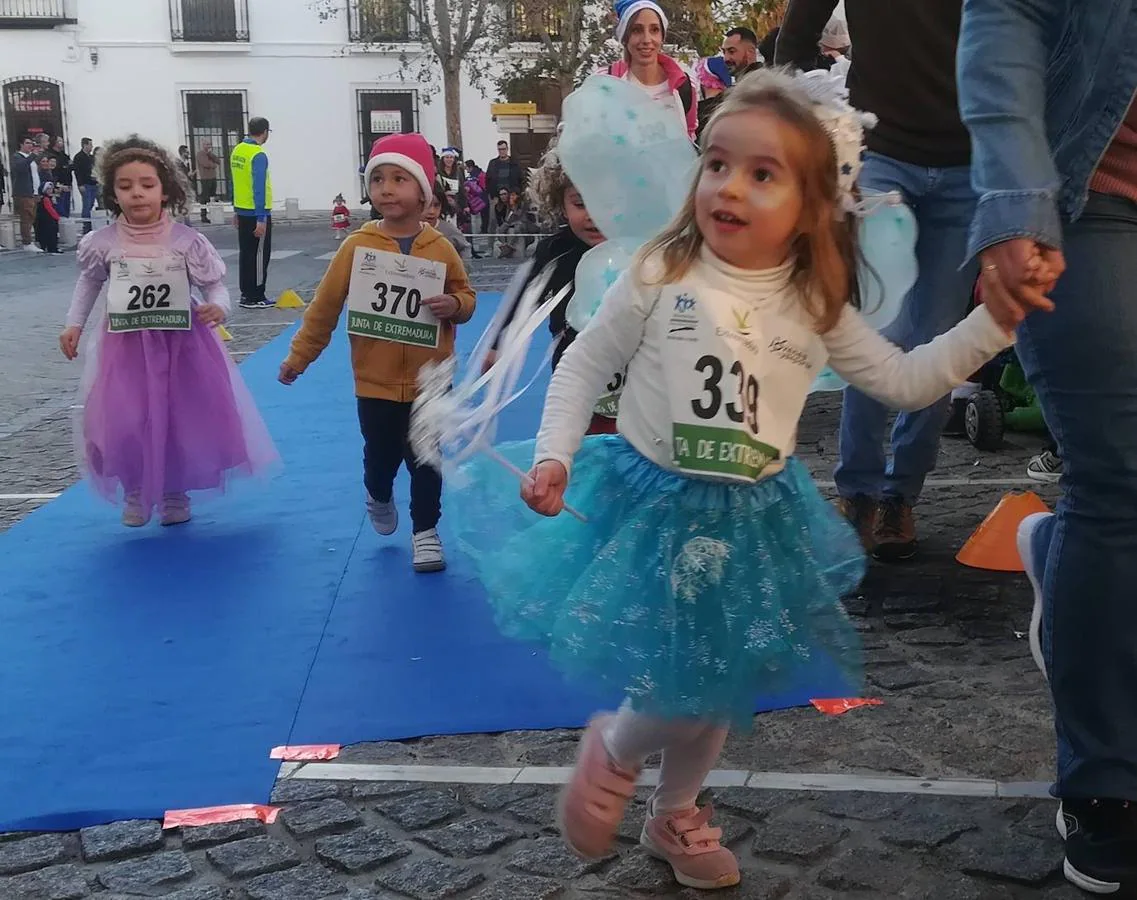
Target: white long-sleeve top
630, 329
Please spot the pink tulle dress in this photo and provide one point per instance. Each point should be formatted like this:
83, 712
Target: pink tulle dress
164, 413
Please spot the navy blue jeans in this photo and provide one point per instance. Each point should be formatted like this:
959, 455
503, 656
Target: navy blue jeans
943, 203
1082, 361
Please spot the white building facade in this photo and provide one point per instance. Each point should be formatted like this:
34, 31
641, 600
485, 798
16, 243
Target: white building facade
190, 71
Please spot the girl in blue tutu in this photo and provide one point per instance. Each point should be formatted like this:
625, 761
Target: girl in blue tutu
710, 568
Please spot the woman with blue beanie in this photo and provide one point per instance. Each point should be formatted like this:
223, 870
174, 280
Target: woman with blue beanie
641, 31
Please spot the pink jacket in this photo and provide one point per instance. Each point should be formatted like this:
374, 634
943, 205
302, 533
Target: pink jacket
676, 76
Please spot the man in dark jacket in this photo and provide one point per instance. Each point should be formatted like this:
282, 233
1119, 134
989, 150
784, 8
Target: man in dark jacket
62, 177
24, 191
740, 51
84, 167
740, 54
503, 172
903, 71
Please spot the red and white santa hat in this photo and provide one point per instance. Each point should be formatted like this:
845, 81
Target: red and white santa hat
407, 151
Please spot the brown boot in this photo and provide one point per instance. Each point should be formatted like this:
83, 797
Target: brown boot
860, 511
895, 537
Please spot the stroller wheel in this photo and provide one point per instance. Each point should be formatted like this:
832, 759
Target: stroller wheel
983, 421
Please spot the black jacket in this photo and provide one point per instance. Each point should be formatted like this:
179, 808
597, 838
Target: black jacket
503, 173
22, 183
564, 250
84, 166
63, 168
903, 71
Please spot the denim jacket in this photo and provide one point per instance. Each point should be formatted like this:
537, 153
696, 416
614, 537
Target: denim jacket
1043, 88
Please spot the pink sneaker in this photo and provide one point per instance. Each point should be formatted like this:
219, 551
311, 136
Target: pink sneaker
592, 804
685, 841
175, 509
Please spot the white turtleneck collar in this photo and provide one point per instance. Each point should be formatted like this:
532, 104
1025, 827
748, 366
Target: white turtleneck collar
755, 283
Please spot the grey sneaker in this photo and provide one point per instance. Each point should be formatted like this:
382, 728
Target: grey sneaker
1046, 467
384, 516
428, 551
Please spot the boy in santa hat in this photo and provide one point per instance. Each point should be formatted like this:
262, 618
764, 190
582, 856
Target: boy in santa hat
405, 289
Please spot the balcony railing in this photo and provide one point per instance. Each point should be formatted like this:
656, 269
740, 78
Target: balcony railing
529, 25
209, 21
379, 21
34, 13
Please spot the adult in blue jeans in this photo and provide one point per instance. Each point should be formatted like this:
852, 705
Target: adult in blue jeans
903, 71
1047, 90
83, 164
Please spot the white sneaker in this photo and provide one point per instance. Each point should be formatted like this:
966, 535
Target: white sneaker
32, 248
1025, 541
384, 516
428, 551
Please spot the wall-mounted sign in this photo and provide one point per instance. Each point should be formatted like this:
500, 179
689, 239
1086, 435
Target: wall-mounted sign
513, 109
386, 121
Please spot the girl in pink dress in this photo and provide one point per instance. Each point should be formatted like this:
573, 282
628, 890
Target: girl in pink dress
164, 410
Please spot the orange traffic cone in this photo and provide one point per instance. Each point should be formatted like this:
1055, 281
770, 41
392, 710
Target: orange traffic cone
994, 544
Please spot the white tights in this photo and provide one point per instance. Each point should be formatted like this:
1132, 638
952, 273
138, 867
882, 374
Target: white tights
690, 748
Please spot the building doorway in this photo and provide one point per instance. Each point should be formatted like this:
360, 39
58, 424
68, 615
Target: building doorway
217, 117
381, 113
32, 106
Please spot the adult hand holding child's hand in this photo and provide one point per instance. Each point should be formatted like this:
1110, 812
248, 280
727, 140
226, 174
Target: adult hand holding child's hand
544, 490
1016, 276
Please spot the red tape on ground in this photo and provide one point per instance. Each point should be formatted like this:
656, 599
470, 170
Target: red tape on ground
214, 815
840, 707
305, 752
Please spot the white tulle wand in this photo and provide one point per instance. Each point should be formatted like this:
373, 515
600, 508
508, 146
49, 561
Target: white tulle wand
450, 416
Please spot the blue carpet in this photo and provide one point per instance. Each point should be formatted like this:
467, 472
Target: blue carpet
150, 670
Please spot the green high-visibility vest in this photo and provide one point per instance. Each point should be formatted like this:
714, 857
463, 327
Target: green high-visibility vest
241, 167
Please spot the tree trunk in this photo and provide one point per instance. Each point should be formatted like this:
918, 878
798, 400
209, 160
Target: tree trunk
566, 82
452, 91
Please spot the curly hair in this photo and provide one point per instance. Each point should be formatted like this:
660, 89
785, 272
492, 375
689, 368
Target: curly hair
548, 184
175, 183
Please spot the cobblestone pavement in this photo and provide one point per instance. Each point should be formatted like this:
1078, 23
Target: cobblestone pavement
944, 651
382, 841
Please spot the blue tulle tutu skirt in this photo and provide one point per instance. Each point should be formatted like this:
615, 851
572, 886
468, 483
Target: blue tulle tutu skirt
690, 596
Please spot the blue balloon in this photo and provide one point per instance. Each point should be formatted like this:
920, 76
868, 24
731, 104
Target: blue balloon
629, 157
887, 238
597, 271
886, 235
828, 380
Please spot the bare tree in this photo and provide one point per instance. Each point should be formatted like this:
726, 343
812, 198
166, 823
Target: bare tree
454, 32
552, 41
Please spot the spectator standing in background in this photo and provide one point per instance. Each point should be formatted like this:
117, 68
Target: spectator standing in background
24, 191
904, 74
502, 173
740, 51
83, 165
208, 163
252, 205
62, 177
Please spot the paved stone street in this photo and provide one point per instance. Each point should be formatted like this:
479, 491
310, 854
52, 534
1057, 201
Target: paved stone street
945, 652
